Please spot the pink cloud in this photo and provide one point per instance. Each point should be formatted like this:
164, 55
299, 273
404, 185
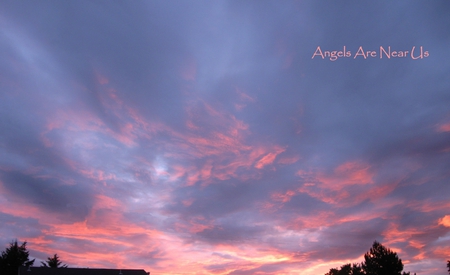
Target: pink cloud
393, 234
342, 185
283, 197
428, 205
268, 158
443, 127
353, 173
288, 160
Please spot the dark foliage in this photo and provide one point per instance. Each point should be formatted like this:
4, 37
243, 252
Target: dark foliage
53, 262
13, 257
448, 266
347, 269
379, 260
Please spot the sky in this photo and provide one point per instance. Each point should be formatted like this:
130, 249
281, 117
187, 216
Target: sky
226, 137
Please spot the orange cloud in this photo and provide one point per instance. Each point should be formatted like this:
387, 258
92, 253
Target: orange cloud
442, 251
416, 244
395, 235
445, 221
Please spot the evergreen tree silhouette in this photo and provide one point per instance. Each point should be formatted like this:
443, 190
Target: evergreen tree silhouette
13, 257
381, 260
53, 262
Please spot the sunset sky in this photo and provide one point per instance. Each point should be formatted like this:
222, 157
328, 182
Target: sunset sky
220, 137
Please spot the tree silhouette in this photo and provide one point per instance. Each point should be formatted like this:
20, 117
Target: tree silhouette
357, 270
53, 262
380, 260
346, 269
448, 266
13, 257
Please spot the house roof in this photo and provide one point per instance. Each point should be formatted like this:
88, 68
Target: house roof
79, 271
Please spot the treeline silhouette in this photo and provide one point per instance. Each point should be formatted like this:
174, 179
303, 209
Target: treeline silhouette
379, 260
17, 255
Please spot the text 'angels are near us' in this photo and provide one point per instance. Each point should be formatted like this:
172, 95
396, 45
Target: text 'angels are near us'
362, 53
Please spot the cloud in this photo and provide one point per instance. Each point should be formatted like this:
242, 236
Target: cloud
48, 193
445, 221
